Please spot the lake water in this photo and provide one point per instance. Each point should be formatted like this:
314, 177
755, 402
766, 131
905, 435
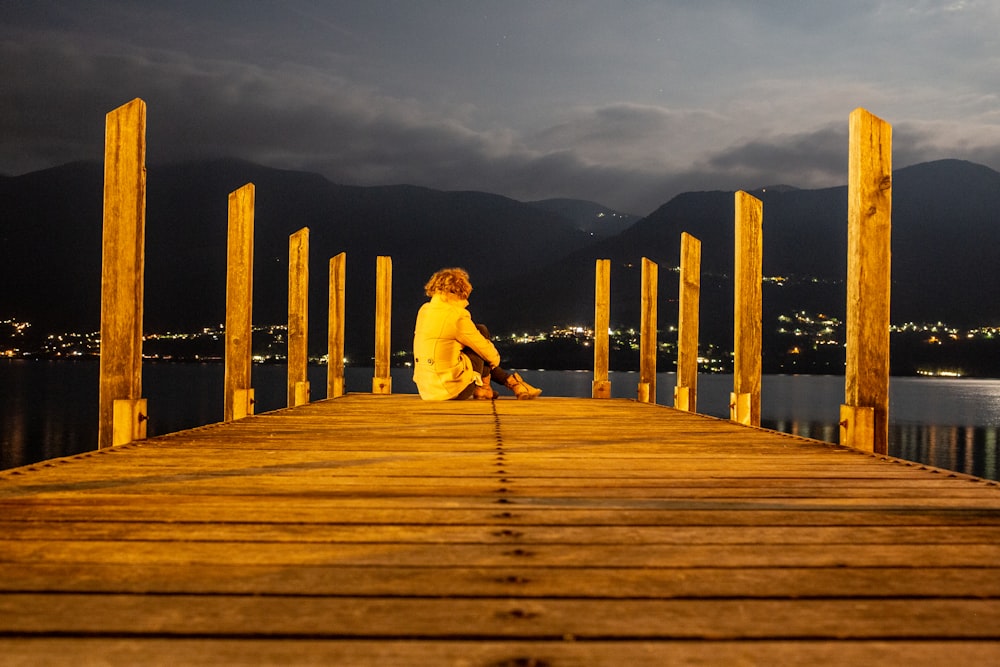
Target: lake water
49, 408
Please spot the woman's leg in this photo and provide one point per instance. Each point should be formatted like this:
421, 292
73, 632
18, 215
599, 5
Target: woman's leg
480, 366
478, 363
499, 375
466, 393
514, 382
488, 373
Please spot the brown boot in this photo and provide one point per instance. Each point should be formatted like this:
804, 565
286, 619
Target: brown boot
484, 392
521, 389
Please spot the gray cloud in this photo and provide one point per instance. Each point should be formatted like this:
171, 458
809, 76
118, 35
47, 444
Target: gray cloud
806, 159
630, 129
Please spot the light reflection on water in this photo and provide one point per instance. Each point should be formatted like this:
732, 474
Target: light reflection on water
49, 409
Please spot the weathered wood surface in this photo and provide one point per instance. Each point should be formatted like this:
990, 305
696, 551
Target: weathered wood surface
239, 304
865, 419
382, 382
336, 325
689, 301
387, 530
648, 334
123, 244
748, 277
298, 317
601, 386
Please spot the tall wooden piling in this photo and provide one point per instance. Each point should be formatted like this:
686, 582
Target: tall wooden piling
335, 328
239, 397
647, 340
864, 417
382, 382
122, 411
744, 403
686, 391
601, 387
298, 317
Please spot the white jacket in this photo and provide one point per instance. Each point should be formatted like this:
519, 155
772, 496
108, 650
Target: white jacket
440, 370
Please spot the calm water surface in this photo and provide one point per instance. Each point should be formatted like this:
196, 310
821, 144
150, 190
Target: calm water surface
49, 409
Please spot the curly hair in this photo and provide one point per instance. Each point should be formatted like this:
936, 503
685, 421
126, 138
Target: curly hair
452, 281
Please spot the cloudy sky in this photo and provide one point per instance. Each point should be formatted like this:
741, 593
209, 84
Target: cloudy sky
625, 102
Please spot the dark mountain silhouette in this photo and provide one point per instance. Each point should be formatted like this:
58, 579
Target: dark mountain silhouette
531, 263
945, 237
50, 231
50, 247
595, 219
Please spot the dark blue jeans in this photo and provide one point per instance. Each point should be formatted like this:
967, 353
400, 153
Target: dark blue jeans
494, 373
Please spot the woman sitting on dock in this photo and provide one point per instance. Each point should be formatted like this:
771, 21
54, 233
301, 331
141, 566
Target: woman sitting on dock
452, 357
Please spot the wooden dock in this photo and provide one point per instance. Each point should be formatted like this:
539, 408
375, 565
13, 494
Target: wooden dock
385, 530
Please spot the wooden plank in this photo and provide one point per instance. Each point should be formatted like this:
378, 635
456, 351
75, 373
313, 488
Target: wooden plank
484, 533
205, 508
520, 580
239, 304
869, 232
298, 317
153, 651
123, 266
844, 481
457, 618
609, 492
539, 555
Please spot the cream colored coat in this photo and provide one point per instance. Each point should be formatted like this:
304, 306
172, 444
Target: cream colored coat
440, 370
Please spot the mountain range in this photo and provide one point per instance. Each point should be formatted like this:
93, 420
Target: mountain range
945, 236
532, 263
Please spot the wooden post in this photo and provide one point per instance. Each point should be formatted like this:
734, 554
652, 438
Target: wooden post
647, 340
686, 391
335, 329
869, 230
239, 305
122, 271
744, 403
382, 382
601, 387
298, 317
